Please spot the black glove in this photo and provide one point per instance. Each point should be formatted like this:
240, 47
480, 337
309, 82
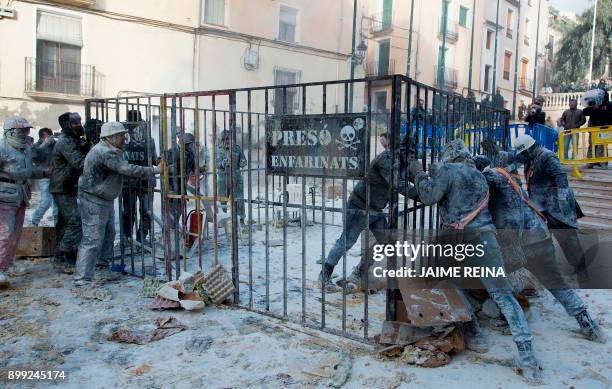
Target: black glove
85, 146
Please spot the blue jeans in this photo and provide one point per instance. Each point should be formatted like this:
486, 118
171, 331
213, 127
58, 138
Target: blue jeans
356, 220
46, 201
568, 145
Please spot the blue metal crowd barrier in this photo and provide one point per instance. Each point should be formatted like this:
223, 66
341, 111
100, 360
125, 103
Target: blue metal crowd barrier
543, 135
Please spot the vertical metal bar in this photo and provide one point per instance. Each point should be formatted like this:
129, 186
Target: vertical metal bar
150, 190
165, 187
304, 220
233, 201
122, 206
121, 240
393, 208
215, 189
344, 227
176, 184
141, 191
266, 213
366, 181
198, 201
323, 190
285, 200
183, 178
250, 196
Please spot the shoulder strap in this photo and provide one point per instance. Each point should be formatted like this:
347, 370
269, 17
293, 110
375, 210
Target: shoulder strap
513, 184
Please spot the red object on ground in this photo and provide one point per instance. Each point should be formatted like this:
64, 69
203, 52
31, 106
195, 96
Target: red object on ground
193, 219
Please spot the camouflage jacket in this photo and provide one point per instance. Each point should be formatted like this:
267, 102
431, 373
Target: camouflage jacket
15, 171
67, 164
548, 187
103, 173
379, 177
457, 188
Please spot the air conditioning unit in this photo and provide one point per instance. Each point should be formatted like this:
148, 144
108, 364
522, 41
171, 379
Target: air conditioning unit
7, 12
251, 59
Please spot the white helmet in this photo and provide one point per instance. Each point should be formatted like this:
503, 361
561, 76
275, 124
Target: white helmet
523, 142
111, 128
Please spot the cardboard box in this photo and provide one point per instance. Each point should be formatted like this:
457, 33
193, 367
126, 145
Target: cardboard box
37, 242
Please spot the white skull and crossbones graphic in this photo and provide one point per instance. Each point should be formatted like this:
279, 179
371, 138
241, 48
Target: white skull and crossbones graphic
348, 138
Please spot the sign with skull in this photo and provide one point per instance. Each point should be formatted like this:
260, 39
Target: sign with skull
316, 145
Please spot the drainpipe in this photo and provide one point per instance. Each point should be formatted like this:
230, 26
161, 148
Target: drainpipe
442, 56
535, 65
410, 39
351, 86
516, 60
471, 49
495, 52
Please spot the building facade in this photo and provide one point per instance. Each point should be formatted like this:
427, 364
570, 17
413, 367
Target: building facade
513, 66
65, 51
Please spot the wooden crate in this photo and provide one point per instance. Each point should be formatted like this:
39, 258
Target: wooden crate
37, 242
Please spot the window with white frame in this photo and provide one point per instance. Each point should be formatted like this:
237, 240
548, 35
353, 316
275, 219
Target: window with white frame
59, 39
287, 102
287, 24
214, 12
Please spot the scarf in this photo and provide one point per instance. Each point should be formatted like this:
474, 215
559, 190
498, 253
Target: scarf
16, 139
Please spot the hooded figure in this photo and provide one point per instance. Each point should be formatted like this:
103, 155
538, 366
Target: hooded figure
66, 168
99, 186
15, 171
238, 161
140, 151
461, 193
526, 242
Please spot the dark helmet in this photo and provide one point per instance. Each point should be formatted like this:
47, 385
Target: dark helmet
134, 116
68, 118
482, 161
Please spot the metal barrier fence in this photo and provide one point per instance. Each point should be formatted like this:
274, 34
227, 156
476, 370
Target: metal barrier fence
543, 135
213, 206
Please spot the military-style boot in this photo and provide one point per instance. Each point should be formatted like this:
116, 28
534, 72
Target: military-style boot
527, 364
474, 337
325, 279
590, 328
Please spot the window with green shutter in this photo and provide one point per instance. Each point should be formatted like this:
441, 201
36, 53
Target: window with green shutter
463, 16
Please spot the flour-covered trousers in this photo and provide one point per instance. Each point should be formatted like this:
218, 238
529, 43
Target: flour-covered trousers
98, 237
11, 224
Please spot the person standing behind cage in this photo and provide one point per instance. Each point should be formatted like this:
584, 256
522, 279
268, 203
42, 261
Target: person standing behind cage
42, 151
535, 115
104, 170
15, 170
570, 119
238, 161
599, 110
140, 151
66, 168
177, 178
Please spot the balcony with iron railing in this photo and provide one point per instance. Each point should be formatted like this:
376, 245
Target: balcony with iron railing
526, 40
379, 68
450, 77
61, 80
381, 22
525, 84
506, 75
509, 32
452, 33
